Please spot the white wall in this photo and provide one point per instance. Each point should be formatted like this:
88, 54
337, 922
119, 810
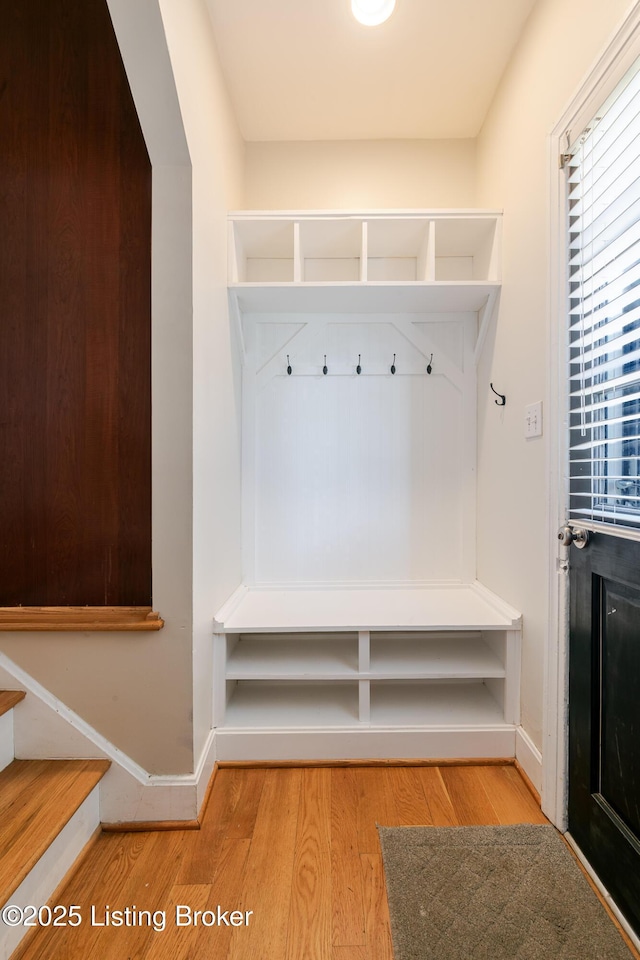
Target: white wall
217, 158
560, 43
343, 471
363, 174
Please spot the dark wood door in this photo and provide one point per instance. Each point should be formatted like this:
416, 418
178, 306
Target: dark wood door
604, 714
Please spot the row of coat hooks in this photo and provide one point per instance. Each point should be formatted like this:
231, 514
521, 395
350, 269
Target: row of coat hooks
392, 368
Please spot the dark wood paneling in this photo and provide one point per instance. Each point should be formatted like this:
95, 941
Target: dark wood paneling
75, 313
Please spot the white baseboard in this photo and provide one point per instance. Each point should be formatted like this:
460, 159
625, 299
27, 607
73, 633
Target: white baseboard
46, 728
52, 866
349, 744
178, 797
529, 757
204, 769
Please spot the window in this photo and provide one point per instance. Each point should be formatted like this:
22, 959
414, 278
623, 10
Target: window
604, 312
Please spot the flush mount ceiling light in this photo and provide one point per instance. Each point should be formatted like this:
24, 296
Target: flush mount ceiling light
372, 12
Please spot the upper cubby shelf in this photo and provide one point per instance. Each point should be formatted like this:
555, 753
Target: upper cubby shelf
411, 261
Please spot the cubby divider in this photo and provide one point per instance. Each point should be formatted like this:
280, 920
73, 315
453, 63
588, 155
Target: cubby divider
364, 701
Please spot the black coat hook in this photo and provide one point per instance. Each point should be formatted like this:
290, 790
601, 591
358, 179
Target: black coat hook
501, 402
288, 366
358, 368
393, 365
325, 369
429, 367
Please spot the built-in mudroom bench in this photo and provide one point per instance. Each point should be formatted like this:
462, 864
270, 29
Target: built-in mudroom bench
360, 629
388, 672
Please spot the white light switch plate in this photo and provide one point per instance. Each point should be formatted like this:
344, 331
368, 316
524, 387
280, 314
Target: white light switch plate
533, 420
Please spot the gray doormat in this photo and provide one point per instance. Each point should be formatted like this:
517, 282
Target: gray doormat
492, 893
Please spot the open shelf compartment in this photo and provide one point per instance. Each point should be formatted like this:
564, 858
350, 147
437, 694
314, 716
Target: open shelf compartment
400, 249
331, 250
466, 249
433, 657
416, 703
292, 657
258, 704
261, 251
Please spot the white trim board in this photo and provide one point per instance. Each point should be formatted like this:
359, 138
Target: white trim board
434, 296
46, 728
351, 744
382, 213
529, 757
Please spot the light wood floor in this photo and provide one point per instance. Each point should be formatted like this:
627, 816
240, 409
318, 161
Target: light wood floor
298, 847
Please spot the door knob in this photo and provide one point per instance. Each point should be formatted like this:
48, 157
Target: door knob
568, 535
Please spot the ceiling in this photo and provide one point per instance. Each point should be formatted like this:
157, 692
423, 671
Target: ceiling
306, 70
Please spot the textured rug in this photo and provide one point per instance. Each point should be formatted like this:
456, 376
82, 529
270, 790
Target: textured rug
492, 893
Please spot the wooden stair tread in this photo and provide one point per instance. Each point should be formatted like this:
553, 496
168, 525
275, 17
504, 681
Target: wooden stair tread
9, 698
37, 799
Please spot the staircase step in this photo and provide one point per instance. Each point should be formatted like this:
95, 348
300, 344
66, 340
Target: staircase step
37, 799
9, 698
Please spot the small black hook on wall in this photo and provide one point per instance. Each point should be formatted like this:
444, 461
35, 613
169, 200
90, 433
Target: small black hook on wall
288, 366
502, 398
430, 365
358, 368
325, 369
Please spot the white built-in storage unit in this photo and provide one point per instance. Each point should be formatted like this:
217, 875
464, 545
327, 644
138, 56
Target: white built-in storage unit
366, 672
359, 629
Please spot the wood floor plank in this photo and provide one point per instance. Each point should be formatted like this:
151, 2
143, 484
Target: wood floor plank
411, 808
375, 805
347, 912
441, 810
197, 935
147, 888
509, 796
104, 867
377, 924
269, 871
468, 797
202, 849
309, 928
350, 953
227, 890
247, 792
178, 942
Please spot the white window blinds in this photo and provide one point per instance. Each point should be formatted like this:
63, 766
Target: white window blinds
604, 321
